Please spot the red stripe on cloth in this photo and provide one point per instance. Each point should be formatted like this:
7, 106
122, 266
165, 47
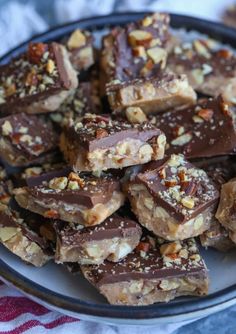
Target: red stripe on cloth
12, 307
33, 323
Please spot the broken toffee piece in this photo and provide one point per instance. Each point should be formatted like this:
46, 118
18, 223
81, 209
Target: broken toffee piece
6, 186
153, 95
38, 81
98, 143
227, 208
21, 240
220, 170
153, 273
204, 130
80, 48
175, 201
210, 71
113, 240
217, 237
26, 139
83, 200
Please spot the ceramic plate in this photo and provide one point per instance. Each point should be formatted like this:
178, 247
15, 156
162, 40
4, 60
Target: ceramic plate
56, 288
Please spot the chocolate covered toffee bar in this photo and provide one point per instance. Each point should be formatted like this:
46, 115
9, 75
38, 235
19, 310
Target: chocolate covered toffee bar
220, 170
26, 139
38, 81
133, 60
164, 92
21, 240
175, 200
80, 47
204, 130
209, 71
151, 274
83, 200
98, 143
113, 239
136, 50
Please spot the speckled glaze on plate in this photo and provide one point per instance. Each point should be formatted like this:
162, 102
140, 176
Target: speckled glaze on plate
54, 287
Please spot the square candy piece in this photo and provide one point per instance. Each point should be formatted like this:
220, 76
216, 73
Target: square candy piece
99, 143
80, 48
26, 139
153, 273
83, 200
175, 201
113, 239
21, 240
204, 130
137, 50
210, 70
160, 93
38, 81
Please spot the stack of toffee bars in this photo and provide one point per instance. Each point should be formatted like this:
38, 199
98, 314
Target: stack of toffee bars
120, 193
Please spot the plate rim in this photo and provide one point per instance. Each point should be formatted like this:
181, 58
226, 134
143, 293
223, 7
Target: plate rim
149, 312
155, 311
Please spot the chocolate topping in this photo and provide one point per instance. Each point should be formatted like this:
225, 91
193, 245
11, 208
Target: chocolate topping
180, 188
112, 227
94, 132
204, 130
149, 265
92, 192
199, 55
35, 75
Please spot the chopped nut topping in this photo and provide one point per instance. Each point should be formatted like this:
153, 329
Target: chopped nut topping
170, 183
101, 133
50, 66
206, 114
75, 177
158, 55
73, 185
201, 49
140, 38
76, 40
36, 51
198, 76
182, 140
170, 248
58, 183
51, 214
147, 21
139, 51
6, 128
188, 202
135, 115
